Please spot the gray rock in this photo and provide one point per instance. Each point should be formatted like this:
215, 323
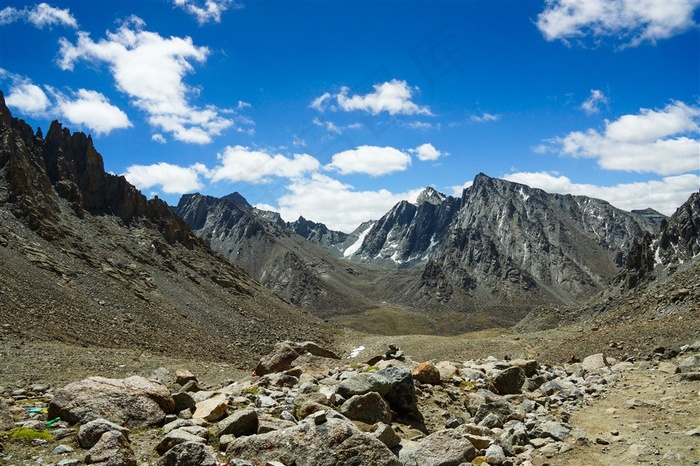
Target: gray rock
495, 455
500, 408
176, 437
61, 449
188, 454
509, 381
369, 408
267, 423
177, 424
386, 434
360, 384
334, 442
183, 400
690, 364
402, 393
89, 433
68, 462
594, 362
444, 448
552, 429
132, 402
239, 423
112, 449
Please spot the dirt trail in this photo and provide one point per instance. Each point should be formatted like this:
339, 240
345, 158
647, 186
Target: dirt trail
644, 419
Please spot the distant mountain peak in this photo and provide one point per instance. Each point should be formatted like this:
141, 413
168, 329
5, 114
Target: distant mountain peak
430, 195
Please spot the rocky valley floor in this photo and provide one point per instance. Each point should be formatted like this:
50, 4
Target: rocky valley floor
645, 412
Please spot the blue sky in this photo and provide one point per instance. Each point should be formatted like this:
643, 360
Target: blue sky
336, 111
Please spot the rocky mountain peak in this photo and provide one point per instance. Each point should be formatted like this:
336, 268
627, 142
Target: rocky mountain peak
429, 195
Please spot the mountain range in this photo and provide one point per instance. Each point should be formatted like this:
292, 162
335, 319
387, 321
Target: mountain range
496, 251
88, 260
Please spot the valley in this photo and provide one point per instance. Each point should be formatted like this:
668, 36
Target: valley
99, 280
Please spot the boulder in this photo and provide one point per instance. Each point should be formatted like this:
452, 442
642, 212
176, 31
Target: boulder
112, 449
323, 441
402, 393
177, 437
280, 359
89, 433
386, 434
211, 409
188, 454
239, 423
131, 402
369, 408
427, 373
444, 448
594, 362
509, 381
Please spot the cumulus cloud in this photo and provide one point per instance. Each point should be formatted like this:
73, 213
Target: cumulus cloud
150, 69
664, 195
426, 152
240, 163
211, 10
592, 104
370, 160
40, 15
634, 22
336, 204
485, 118
171, 179
27, 98
653, 141
92, 110
393, 97
84, 108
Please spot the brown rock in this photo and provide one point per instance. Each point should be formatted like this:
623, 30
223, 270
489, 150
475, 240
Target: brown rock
212, 409
425, 372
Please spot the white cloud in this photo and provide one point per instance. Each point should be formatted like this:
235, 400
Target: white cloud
419, 125
86, 108
653, 141
593, 103
426, 152
336, 204
327, 125
632, 21
27, 98
92, 110
172, 179
371, 160
240, 163
151, 70
485, 118
457, 190
393, 97
664, 195
319, 103
210, 11
158, 138
41, 15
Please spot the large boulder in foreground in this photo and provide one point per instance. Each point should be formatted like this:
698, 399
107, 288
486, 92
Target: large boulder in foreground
131, 402
315, 442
